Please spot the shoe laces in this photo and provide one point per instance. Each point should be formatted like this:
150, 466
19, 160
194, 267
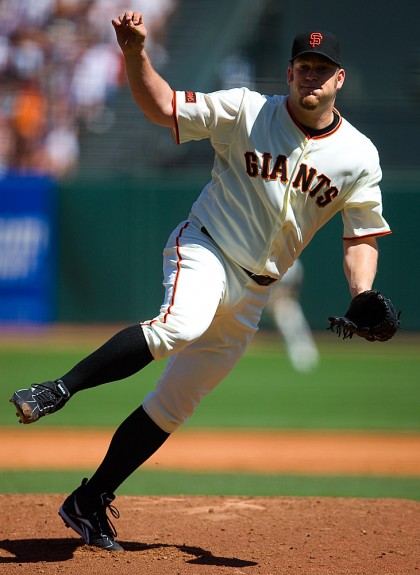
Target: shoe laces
46, 396
105, 523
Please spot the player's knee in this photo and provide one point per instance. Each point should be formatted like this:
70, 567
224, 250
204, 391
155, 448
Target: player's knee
164, 341
168, 415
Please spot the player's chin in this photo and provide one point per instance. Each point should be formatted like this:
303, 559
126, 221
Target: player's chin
309, 102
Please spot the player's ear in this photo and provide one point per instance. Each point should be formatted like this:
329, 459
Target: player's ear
340, 78
289, 74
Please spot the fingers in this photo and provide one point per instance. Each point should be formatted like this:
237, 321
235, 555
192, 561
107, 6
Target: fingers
128, 18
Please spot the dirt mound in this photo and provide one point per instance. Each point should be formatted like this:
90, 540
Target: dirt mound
219, 535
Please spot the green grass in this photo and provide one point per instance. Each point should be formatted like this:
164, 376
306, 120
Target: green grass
148, 482
358, 385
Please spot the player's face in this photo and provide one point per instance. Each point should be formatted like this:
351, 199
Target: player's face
314, 81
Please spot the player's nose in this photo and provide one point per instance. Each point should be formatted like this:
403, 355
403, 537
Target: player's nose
312, 74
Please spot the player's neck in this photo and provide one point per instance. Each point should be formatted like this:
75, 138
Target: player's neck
314, 119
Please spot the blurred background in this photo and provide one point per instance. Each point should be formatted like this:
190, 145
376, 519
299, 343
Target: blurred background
89, 190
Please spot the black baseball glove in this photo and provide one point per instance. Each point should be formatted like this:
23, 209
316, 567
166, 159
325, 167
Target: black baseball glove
371, 315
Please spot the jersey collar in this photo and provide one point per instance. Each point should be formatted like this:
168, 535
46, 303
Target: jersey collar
312, 134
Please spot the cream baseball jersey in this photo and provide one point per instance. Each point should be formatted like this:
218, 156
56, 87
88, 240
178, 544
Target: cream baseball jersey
273, 186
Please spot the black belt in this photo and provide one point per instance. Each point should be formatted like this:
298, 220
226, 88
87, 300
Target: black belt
260, 280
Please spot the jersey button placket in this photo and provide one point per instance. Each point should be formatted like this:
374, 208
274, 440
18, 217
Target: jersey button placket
307, 149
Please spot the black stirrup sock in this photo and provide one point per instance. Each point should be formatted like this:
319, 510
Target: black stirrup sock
123, 355
137, 439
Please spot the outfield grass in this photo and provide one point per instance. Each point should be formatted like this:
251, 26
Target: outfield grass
357, 386
146, 482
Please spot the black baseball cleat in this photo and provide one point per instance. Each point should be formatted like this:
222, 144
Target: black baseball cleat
40, 399
89, 518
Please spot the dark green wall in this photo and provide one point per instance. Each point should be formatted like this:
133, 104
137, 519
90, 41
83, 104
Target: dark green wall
112, 233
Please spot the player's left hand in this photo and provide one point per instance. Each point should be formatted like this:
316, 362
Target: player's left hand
371, 315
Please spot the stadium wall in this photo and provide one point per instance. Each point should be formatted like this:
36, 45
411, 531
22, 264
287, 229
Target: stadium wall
112, 233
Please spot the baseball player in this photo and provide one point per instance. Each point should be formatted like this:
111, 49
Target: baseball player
283, 166
290, 319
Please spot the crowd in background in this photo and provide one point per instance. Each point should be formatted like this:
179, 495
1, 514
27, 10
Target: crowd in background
60, 66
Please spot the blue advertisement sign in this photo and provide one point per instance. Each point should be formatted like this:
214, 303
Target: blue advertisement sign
27, 249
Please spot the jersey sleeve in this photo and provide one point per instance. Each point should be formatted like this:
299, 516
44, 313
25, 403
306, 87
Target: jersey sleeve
214, 115
362, 213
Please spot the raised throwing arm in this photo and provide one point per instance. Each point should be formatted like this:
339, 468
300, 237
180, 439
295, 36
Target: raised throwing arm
150, 91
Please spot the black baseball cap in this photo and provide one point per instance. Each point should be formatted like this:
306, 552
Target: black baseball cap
317, 42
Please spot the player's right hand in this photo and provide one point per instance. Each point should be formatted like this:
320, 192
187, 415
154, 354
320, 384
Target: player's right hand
131, 31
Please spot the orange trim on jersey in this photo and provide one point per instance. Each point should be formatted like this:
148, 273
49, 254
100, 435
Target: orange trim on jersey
368, 236
175, 130
308, 136
340, 120
178, 267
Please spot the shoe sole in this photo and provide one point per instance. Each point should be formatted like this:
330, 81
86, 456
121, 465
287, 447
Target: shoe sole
69, 523
84, 535
23, 412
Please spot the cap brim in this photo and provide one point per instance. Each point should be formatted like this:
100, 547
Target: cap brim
315, 52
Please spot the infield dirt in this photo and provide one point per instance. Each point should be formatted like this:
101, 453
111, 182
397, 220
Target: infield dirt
220, 535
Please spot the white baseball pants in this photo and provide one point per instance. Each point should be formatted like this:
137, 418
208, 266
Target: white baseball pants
210, 313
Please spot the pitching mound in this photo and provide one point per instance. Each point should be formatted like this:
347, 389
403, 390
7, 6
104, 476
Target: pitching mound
219, 535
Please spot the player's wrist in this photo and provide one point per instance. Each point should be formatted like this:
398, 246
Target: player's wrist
134, 53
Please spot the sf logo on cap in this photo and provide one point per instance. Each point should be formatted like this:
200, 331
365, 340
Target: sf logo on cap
315, 39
